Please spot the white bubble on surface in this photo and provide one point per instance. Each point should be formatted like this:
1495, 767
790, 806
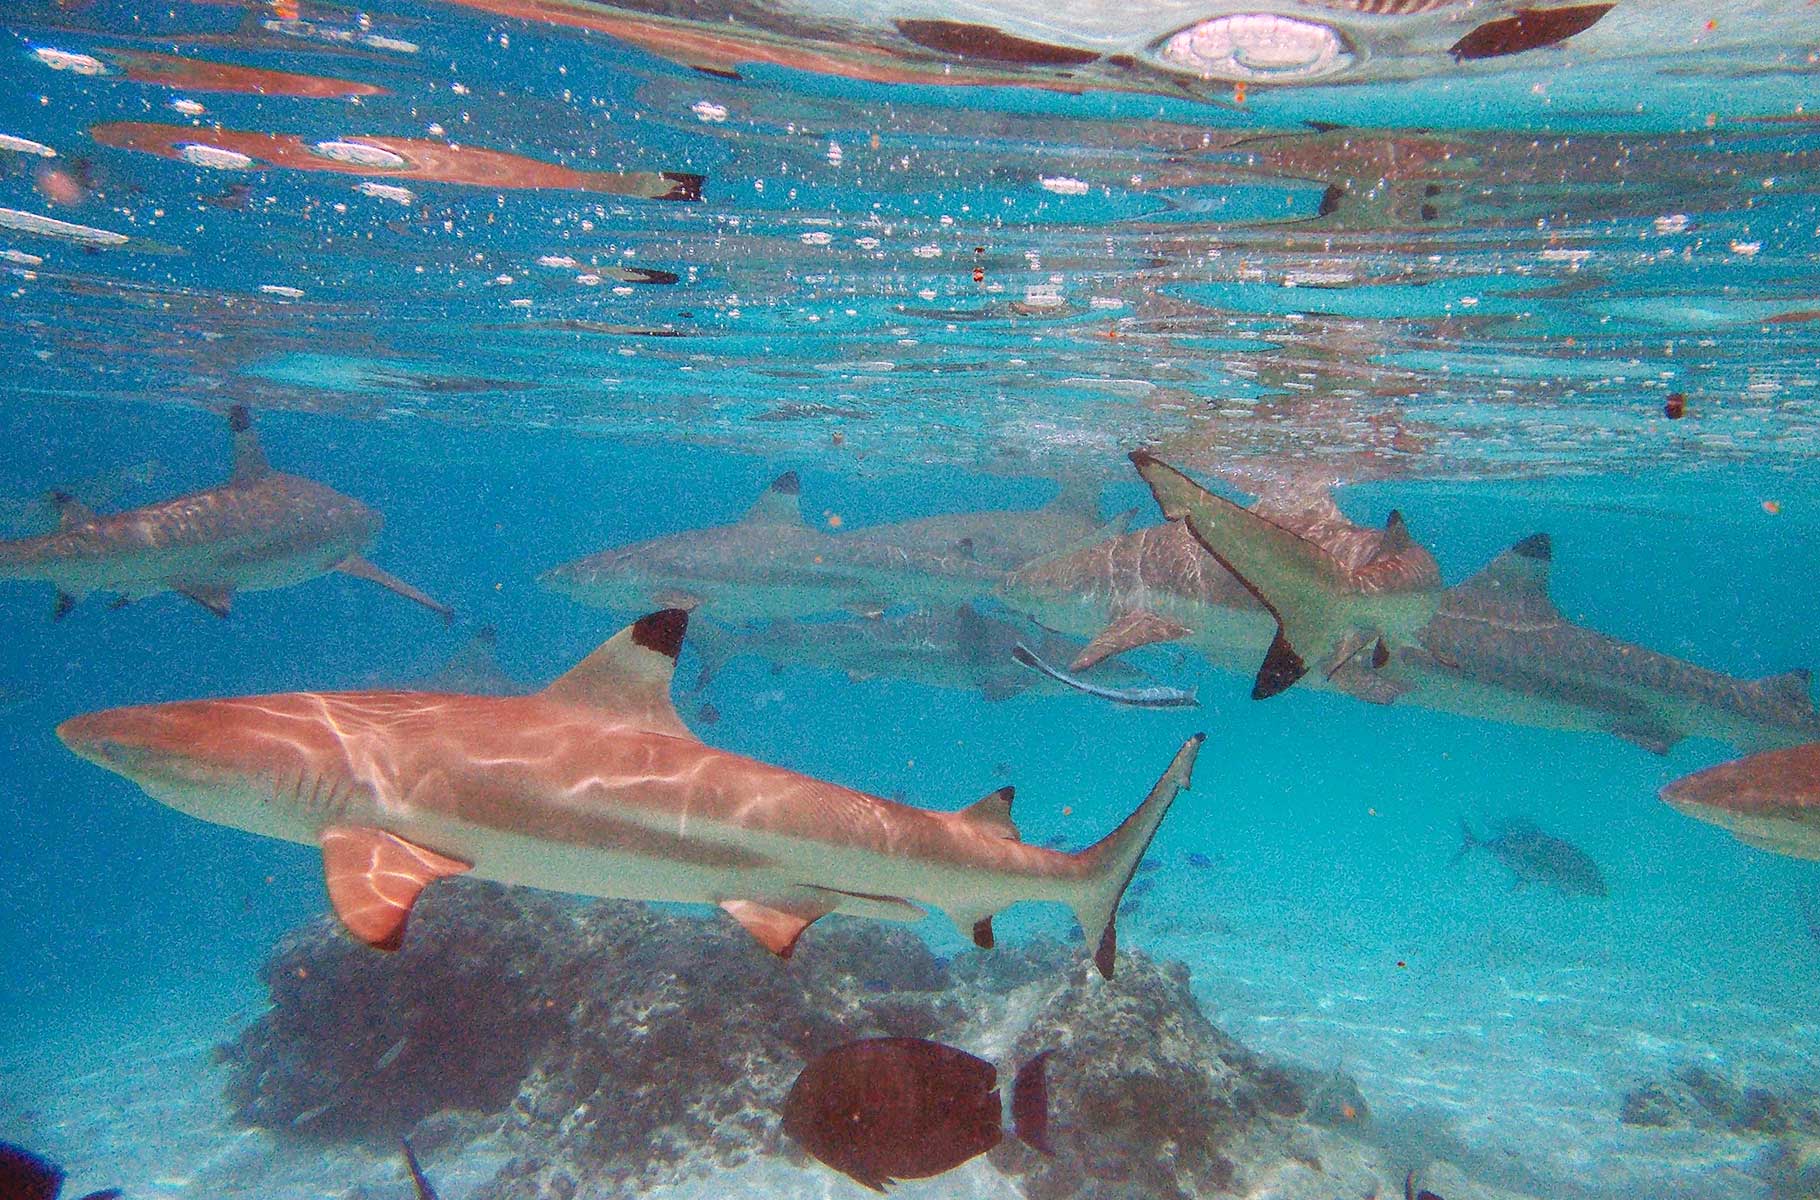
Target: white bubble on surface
69, 231
279, 289
360, 154
201, 154
1062, 185
386, 191
63, 60
19, 145
708, 111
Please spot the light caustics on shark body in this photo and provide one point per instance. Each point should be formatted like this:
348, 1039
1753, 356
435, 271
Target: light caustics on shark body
594, 786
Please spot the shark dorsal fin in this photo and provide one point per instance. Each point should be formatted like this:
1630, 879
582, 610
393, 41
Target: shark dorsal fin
1396, 537
629, 676
249, 459
1519, 577
779, 504
70, 511
992, 813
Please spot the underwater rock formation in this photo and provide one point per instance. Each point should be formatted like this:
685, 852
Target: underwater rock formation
1697, 1097
606, 1048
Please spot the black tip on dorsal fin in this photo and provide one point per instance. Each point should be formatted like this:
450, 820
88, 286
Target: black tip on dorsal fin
982, 933
662, 632
1396, 537
787, 484
249, 459
1536, 546
1323, 126
240, 419
1330, 200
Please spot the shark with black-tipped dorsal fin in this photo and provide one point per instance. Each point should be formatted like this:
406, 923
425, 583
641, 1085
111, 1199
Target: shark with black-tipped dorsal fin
1493, 646
771, 564
594, 786
261, 529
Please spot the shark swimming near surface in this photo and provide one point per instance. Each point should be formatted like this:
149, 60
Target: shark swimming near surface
771, 564
261, 529
594, 786
1364, 611
1769, 800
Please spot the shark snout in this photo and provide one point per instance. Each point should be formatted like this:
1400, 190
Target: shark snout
139, 743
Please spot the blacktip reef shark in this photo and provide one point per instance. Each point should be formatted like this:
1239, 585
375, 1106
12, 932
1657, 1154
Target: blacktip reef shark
594, 786
261, 529
773, 565
1493, 646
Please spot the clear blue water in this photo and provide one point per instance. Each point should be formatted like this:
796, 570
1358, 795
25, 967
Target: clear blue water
470, 366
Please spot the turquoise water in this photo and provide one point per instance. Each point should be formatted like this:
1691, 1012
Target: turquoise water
930, 300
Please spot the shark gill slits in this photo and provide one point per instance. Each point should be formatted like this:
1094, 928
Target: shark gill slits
987, 43
662, 632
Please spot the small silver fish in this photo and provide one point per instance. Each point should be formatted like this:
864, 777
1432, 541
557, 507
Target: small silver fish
1137, 697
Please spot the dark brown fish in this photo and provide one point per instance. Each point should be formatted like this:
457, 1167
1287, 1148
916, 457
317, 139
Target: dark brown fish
25, 1176
884, 1109
1528, 29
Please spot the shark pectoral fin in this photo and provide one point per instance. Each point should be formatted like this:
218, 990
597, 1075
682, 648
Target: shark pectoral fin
991, 814
1128, 631
360, 568
375, 877
217, 598
1653, 737
776, 928
629, 675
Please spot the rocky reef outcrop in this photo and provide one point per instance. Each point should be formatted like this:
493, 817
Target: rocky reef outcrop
604, 1049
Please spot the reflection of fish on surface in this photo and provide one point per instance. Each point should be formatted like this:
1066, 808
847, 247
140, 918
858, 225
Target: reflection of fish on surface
25, 515
261, 529
594, 786
388, 157
888, 1108
1532, 856
203, 75
959, 648
772, 565
26, 1176
1493, 646
1769, 800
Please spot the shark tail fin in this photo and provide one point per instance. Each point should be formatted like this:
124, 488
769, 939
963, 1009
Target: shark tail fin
1113, 860
1296, 580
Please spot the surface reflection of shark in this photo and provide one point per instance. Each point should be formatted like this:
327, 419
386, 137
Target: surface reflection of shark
958, 649
1363, 611
26, 516
474, 670
1769, 800
771, 564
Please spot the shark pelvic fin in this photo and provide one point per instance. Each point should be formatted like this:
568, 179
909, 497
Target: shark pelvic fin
218, 598
776, 928
779, 504
992, 813
1129, 630
375, 877
249, 459
629, 676
71, 512
1113, 860
360, 568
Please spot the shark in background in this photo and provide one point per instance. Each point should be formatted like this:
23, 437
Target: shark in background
772, 565
955, 649
595, 786
1769, 800
261, 529
1377, 623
